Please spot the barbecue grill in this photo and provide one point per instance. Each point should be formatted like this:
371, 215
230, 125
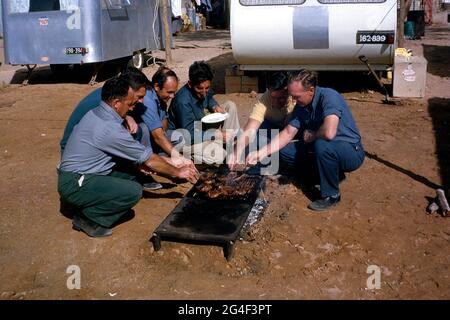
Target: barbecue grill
200, 219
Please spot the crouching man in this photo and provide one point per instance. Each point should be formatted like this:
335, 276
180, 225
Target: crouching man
90, 175
326, 126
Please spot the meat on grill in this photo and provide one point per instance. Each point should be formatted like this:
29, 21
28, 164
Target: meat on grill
229, 186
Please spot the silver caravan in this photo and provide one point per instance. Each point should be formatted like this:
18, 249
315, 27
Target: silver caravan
317, 34
63, 32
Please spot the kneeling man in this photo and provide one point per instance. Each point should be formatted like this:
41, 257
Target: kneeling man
326, 126
90, 177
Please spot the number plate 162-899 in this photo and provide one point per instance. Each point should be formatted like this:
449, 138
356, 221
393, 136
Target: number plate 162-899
375, 37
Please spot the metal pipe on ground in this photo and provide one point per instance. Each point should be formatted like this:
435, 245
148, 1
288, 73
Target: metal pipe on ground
387, 99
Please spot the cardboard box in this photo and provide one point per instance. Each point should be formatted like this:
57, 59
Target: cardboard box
233, 71
233, 84
249, 84
410, 75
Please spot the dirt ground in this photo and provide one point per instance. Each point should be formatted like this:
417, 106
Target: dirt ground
292, 253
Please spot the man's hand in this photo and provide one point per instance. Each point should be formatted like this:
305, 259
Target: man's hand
188, 173
309, 136
131, 125
219, 109
181, 161
252, 158
232, 161
146, 170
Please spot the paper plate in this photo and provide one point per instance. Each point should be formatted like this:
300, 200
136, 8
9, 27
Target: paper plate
215, 117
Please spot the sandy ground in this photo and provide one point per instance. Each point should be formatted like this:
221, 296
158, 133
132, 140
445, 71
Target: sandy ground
292, 253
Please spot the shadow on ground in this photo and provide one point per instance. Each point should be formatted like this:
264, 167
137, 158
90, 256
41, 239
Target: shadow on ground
195, 39
438, 58
349, 81
439, 110
79, 74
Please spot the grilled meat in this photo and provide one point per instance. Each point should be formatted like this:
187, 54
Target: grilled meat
232, 185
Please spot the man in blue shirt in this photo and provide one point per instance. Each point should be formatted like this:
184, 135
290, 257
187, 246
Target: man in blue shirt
138, 81
153, 112
89, 176
326, 125
188, 108
148, 113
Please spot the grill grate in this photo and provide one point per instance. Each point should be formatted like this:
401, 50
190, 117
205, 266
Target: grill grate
200, 219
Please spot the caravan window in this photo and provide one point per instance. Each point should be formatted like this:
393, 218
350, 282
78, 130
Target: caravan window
19, 6
23, 6
270, 2
44, 5
117, 4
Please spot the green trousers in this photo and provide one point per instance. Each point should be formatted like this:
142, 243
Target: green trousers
102, 199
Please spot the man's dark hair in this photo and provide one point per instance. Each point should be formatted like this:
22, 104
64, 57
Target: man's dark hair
307, 78
277, 81
199, 72
136, 78
115, 88
160, 77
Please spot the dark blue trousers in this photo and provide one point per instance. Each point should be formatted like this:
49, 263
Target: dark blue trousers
332, 158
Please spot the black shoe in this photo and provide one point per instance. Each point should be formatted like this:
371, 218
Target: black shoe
325, 203
92, 229
151, 186
149, 183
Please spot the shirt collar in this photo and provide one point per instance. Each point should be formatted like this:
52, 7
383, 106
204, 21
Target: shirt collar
315, 101
110, 111
194, 96
153, 95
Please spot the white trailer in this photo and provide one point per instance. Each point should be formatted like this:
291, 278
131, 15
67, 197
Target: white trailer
315, 34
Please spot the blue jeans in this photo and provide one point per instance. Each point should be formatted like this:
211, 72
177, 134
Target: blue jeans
332, 158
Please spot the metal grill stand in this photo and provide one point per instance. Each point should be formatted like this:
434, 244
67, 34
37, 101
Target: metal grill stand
201, 220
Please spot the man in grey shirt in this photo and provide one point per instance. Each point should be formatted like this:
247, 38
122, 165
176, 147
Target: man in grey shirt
89, 175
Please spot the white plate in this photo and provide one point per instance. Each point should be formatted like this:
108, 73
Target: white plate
215, 117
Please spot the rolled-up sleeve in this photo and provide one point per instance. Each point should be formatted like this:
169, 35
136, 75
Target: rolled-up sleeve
332, 104
294, 119
260, 108
151, 118
150, 115
118, 142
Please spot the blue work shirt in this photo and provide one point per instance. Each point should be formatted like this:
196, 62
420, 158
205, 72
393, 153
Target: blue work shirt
150, 112
186, 108
97, 140
326, 102
148, 115
88, 103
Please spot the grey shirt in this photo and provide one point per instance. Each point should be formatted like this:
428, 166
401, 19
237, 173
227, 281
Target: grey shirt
97, 139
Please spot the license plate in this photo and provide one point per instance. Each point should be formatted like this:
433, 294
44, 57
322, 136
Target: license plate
375, 37
76, 50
